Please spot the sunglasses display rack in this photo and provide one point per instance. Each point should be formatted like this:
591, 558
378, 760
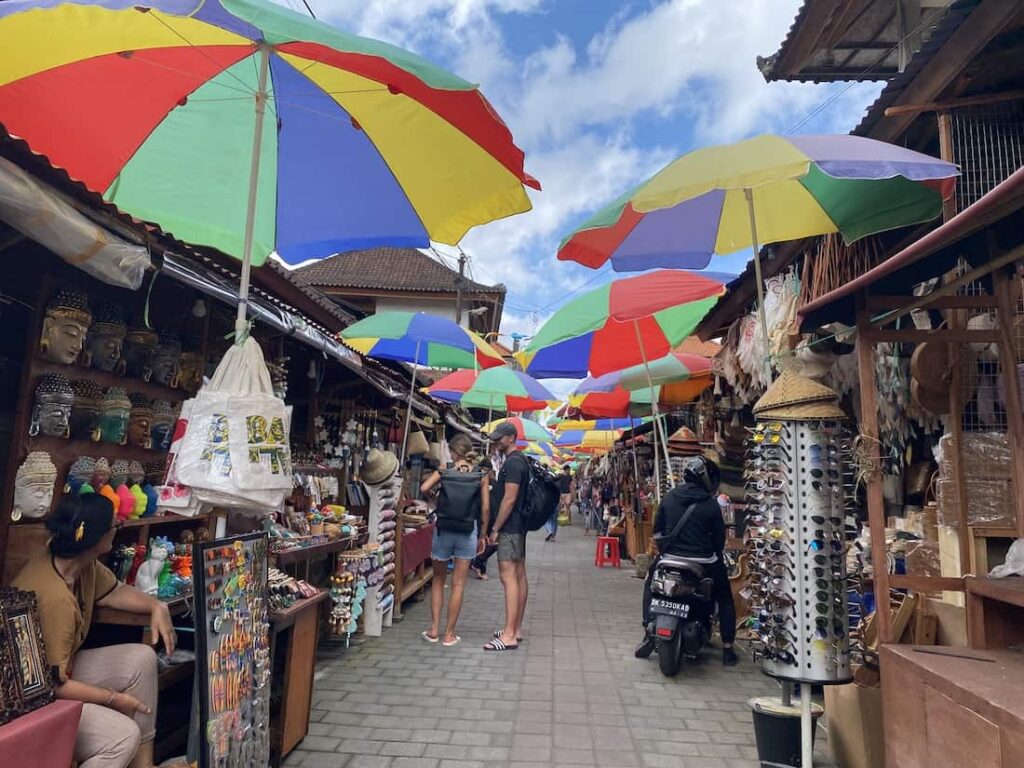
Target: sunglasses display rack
795, 488
380, 593
233, 652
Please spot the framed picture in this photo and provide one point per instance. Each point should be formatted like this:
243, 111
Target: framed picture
25, 682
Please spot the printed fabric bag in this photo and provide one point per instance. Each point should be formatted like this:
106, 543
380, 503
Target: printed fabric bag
236, 446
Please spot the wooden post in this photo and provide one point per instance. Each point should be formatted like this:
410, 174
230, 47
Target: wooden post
947, 154
876, 501
1011, 384
956, 426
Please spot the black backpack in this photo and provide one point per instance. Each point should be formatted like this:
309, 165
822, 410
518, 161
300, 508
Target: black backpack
540, 499
458, 503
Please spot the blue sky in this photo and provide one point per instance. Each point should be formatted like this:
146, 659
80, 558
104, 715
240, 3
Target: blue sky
599, 95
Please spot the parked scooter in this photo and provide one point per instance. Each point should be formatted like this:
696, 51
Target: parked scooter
681, 611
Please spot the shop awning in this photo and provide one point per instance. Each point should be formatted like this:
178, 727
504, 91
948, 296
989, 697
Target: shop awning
997, 215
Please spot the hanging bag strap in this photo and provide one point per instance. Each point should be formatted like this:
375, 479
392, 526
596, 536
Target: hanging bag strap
680, 523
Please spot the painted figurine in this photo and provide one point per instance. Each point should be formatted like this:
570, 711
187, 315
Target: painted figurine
167, 359
119, 482
65, 326
33, 486
147, 579
85, 410
136, 477
101, 484
80, 474
106, 339
140, 421
115, 411
139, 349
162, 428
51, 412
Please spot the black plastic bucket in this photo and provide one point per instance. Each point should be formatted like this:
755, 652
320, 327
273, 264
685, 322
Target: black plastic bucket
777, 731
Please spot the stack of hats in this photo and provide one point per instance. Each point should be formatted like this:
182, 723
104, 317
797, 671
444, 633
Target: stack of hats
684, 442
794, 397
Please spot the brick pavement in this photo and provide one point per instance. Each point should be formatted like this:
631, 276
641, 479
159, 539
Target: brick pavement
571, 695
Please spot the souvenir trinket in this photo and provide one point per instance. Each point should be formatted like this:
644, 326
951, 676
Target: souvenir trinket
136, 477
115, 412
119, 482
191, 365
51, 411
167, 358
162, 427
139, 349
65, 326
101, 483
85, 410
33, 486
80, 475
140, 421
106, 339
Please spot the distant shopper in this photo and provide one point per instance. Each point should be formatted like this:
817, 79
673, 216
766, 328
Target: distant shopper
509, 534
463, 512
565, 489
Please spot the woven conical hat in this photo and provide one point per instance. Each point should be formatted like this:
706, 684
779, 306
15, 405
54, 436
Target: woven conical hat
804, 412
791, 388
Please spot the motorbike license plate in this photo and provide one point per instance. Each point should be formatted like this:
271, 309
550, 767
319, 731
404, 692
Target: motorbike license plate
670, 608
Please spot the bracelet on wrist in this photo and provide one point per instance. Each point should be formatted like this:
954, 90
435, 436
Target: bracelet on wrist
111, 698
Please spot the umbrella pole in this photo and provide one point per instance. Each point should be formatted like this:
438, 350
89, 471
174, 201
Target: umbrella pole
254, 178
654, 410
408, 411
749, 193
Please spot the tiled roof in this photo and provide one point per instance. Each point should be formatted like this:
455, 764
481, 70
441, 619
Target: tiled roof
694, 346
398, 269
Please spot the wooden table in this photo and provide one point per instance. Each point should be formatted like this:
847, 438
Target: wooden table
294, 634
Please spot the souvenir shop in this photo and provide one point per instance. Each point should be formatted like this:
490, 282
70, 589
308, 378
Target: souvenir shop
104, 345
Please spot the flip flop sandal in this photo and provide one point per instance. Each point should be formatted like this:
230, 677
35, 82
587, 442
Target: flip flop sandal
497, 633
450, 643
496, 645
427, 638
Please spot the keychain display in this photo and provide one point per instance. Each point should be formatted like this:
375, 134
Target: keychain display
798, 488
233, 651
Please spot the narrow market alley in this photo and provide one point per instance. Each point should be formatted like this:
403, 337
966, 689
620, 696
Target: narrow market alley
571, 695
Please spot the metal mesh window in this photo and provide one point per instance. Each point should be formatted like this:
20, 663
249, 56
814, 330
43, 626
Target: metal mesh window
988, 145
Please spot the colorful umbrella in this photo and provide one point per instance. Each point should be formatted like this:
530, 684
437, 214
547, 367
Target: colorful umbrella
424, 340
763, 190
673, 367
602, 424
420, 339
588, 440
621, 324
604, 397
500, 389
526, 429
247, 127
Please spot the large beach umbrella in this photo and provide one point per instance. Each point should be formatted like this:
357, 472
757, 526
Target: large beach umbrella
767, 189
566, 425
588, 440
497, 389
626, 322
673, 367
422, 340
526, 430
247, 127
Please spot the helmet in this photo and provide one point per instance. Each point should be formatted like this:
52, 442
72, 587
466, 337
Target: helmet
703, 473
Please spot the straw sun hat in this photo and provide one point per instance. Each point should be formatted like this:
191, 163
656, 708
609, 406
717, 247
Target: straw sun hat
797, 398
379, 467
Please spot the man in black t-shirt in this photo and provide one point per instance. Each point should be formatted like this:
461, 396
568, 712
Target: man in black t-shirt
509, 534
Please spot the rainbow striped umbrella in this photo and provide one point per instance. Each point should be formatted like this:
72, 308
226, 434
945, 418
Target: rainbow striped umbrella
500, 389
587, 440
421, 339
623, 323
526, 429
763, 190
599, 424
673, 367
247, 127
702, 203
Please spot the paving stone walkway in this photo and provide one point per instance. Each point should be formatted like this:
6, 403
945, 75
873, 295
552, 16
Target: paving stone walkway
571, 695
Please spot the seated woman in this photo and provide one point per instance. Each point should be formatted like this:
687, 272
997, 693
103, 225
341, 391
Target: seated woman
118, 683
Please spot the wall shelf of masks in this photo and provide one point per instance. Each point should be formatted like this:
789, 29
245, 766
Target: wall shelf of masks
100, 393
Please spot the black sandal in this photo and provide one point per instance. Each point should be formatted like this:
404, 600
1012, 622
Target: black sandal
496, 644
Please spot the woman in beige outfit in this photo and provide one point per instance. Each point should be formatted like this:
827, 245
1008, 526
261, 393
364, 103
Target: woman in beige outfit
118, 684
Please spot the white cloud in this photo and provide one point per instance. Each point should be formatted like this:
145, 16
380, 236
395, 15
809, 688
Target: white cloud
578, 108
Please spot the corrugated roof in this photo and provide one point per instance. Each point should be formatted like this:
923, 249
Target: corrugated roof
398, 269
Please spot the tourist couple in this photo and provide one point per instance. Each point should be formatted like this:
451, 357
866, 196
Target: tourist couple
466, 500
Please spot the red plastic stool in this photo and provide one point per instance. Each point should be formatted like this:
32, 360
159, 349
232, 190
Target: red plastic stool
612, 558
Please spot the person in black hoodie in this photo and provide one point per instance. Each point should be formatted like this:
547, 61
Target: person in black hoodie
702, 536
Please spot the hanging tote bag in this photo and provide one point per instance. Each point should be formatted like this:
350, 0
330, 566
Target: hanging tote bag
236, 448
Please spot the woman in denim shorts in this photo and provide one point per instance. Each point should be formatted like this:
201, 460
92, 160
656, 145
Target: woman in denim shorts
453, 545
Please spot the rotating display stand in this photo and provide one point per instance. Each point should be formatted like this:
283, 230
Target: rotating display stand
797, 473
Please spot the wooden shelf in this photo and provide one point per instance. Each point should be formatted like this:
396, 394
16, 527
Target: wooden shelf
69, 450
415, 584
1009, 590
310, 553
283, 619
157, 520
102, 615
106, 380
